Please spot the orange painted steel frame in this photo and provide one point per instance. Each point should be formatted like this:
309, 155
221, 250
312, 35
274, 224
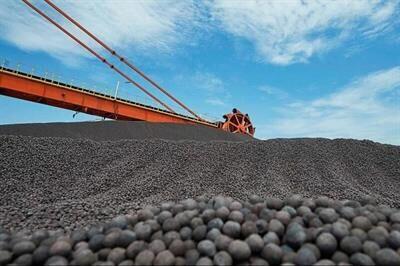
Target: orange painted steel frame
36, 89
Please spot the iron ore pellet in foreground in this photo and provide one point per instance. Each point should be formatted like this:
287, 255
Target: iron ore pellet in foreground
222, 231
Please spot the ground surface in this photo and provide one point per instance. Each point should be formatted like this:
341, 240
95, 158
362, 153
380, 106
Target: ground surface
49, 182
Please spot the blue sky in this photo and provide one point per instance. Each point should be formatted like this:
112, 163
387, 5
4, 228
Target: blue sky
299, 68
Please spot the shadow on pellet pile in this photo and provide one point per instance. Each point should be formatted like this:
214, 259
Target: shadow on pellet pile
67, 182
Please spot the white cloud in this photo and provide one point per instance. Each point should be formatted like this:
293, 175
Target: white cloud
214, 89
208, 86
208, 82
273, 91
368, 108
285, 32
215, 102
139, 25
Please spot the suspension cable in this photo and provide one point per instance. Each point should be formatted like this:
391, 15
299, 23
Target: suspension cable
122, 59
102, 59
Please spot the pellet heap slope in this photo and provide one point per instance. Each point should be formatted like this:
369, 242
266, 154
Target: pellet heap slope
117, 130
62, 183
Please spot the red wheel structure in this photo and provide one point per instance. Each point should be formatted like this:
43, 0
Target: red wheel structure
237, 122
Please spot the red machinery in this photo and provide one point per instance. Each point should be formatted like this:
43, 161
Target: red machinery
38, 89
237, 122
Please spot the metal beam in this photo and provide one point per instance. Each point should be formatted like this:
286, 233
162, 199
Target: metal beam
37, 89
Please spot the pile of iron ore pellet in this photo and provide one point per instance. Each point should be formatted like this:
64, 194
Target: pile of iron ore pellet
223, 231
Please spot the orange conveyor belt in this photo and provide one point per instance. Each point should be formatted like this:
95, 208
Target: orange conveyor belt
41, 90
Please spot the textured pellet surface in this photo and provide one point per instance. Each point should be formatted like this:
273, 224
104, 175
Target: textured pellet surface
68, 183
141, 238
